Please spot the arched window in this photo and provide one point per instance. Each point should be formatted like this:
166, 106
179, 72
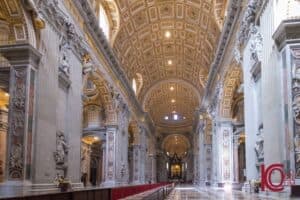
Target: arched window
103, 21
134, 85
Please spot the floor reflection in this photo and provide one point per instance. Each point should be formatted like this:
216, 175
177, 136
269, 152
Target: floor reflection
186, 192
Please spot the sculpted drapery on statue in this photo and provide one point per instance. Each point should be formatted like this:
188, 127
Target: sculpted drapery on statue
62, 149
259, 146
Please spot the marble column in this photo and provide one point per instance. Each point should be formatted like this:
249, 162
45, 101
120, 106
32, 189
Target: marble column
225, 140
103, 161
287, 37
110, 157
236, 158
24, 60
3, 138
138, 172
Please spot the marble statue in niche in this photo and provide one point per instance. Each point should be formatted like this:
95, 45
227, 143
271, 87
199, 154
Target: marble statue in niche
259, 146
62, 149
297, 142
64, 65
297, 161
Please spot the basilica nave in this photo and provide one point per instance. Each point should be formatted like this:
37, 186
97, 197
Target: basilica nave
191, 99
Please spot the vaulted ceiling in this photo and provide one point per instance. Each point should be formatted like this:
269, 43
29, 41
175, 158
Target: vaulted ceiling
165, 40
176, 144
172, 97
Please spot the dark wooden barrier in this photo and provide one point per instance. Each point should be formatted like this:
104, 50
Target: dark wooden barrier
122, 192
295, 190
92, 194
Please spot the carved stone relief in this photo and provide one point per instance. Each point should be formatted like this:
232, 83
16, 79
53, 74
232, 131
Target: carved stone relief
248, 20
256, 44
16, 161
296, 106
17, 124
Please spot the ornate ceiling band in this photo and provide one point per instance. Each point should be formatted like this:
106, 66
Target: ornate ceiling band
233, 13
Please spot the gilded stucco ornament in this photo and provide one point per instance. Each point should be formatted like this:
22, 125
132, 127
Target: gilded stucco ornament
37, 19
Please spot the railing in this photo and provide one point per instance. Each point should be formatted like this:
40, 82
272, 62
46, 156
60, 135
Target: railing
161, 193
98, 193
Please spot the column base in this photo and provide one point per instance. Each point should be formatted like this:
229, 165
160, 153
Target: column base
107, 184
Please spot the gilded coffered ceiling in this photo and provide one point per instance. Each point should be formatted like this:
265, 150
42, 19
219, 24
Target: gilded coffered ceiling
168, 40
163, 39
168, 98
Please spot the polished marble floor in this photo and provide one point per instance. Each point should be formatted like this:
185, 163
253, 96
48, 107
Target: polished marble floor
189, 192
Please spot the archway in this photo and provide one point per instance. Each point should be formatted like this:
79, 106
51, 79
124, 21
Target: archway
232, 109
17, 27
176, 147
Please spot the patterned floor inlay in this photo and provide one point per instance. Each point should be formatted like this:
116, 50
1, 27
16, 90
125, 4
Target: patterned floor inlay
193, 193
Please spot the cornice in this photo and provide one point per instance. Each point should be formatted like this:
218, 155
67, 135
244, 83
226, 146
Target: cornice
233, 15
21, 54
103, 45
287, 32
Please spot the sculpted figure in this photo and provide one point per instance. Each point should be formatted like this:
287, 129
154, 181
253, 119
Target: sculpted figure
61, 149
259, 148
297, 143
296, 108
64, 64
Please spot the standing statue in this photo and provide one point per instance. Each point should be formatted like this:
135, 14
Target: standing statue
61, 149
297, 142
64, 64
259, 149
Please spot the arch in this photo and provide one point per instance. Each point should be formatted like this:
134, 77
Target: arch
143, 97
176, 143
103, 94
112, 13
231, 82
167, 103
16, 24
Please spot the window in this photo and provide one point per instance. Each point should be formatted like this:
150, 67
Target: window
103, 21
175, 117
134, 85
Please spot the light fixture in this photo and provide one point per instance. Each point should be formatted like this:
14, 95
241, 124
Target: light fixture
6, 94
166, 117
167, 34
96, 138
175, 117
173, 100
227, 187
173, 111
171, 88
170, 62
184, 117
